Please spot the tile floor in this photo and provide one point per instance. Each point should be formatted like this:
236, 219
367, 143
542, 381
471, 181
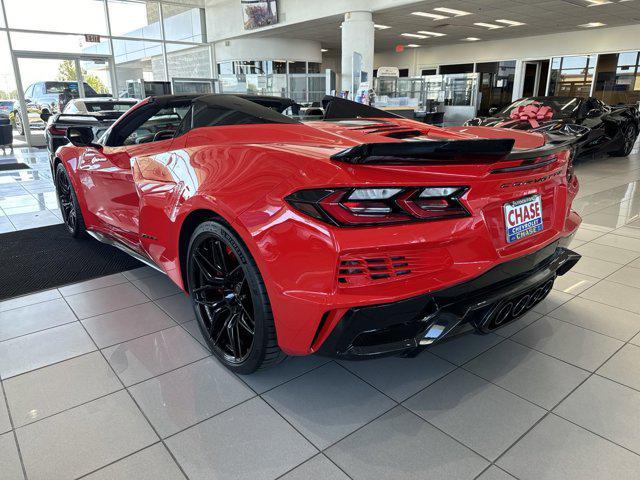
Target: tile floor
87, 392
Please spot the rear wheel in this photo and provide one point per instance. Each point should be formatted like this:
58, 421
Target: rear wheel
629, 136
68, 202
230, 300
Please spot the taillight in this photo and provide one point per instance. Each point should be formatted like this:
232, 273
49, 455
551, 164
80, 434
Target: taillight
57, 131
380, 206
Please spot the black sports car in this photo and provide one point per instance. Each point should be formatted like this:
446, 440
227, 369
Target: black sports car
600, 128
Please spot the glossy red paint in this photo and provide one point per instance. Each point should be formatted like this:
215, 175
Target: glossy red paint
142, 195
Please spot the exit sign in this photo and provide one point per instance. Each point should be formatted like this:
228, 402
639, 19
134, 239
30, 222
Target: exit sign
91, 38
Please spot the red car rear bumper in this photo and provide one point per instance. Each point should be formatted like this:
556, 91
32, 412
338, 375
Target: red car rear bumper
316, 297
490, 301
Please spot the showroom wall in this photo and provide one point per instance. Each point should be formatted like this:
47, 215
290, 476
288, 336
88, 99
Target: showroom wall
268, 49
527, 48
224, 17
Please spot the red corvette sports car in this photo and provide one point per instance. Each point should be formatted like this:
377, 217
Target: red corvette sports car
359, 235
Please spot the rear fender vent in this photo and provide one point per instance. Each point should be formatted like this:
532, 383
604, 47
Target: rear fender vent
372, 269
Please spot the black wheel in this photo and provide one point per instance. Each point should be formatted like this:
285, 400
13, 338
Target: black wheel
68, 202
17, 119
230, 300
629, 136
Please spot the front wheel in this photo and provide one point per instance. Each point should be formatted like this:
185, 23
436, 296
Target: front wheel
68, 202
230, 299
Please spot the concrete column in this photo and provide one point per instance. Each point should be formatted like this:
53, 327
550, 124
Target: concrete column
358, 35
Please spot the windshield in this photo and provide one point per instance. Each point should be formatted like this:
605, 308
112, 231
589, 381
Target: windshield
561, 106
58, 87
6, 104
109, 106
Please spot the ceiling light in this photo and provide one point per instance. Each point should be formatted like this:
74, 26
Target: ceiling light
595, 3
413, 45
471, 39
433, 16
490, 26
413, 35
592, 25
433, 34
323, 50
511, 23
455, 13
381, 27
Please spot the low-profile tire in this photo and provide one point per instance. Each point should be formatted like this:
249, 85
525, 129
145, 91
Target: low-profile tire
230, 299
17, 120
629, 137
68, 203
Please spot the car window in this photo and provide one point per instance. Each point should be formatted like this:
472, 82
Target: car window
166, 121
28, 93
71, 108
186, 123
108, 106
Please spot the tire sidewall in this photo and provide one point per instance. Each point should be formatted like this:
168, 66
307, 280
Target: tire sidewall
258, 294
60, 170
634, 134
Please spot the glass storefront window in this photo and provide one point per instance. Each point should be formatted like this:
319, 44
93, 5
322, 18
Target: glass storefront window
458, 68
184, 24
297, 67
134, 19
618, 78
188, 62
572, 76
70, 16
7, 78
52, 42
314, 67
137, 60
496, 84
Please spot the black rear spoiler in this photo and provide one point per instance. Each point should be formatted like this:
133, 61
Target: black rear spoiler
448, 151
452, 151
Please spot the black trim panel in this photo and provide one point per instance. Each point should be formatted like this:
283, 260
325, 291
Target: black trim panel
398, 327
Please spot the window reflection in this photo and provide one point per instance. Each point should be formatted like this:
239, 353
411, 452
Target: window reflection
572, 76
618, 78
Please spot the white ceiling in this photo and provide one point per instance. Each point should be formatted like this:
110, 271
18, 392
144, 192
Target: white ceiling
540, 16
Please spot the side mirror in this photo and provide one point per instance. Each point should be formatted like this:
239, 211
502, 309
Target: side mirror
81, 137
493, 110
593, 113
45, 116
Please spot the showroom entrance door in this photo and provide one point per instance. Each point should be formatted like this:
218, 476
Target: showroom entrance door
536, 75
49, 81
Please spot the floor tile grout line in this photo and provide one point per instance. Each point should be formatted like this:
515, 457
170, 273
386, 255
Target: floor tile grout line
153, 429
616, 381
319, 454
99, 348
286, 381
590, 329
401, 404
13, 431
550, 411
37, 331
595, 433
84, 475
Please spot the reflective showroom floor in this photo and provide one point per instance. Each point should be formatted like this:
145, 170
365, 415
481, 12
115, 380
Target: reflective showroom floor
108, 379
